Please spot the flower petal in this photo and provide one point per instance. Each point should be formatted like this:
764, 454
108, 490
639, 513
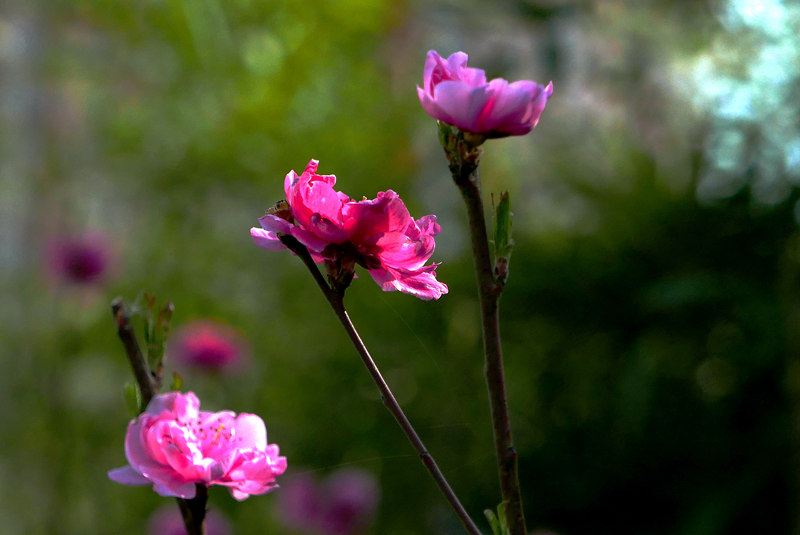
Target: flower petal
266, 239
128, 476
250, 432
421, 284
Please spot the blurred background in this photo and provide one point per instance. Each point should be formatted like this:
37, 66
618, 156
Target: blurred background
651, 319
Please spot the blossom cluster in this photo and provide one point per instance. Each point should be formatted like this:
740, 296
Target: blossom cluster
174, 446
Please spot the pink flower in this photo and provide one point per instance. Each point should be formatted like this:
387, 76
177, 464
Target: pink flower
459, 95
79, 259
378, 234
209, 345
343, 504
173, 445
168, 521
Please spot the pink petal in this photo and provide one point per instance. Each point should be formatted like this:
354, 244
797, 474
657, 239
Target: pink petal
515, 108
239, 495
176, 487
399, 251
385, 213
460, 104
312, 242
266, 239
128, 476
438, 70
428, 225
320, 198
135, 449
250, 432
274, 223
435, 109
327, 230
421, 284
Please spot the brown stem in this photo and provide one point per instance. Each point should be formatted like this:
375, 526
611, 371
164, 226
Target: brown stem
193, 511
335, 298
145, 380
465, 174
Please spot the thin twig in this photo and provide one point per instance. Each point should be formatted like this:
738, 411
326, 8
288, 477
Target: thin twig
465, 174
336, 301
145, 380
193, 510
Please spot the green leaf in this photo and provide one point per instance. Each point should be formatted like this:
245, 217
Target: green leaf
492, 518
502, 227
157, 324
177, 381
133, 399
498, 521
502, 236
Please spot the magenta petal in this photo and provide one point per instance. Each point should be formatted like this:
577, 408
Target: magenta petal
128, 476
370, 217
428, 225
266, 239
314, 243
274, 223
320, 198
422, 284
327, 230
399, 251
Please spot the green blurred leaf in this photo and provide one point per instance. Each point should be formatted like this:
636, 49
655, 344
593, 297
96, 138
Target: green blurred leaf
502, 227
498, 521
157, 324
177, 381
133, 399
503, 244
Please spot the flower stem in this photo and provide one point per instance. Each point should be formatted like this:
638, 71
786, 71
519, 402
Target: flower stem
464, 169
335, 298
193, 511
145, 380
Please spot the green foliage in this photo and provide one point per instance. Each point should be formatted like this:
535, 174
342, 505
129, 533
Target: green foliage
157, 323
133, 399
497, 521
503, 244
177, 382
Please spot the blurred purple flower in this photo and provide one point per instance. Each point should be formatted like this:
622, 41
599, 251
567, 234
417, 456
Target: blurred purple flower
80, 258
167, 521
342, 504
209, 345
